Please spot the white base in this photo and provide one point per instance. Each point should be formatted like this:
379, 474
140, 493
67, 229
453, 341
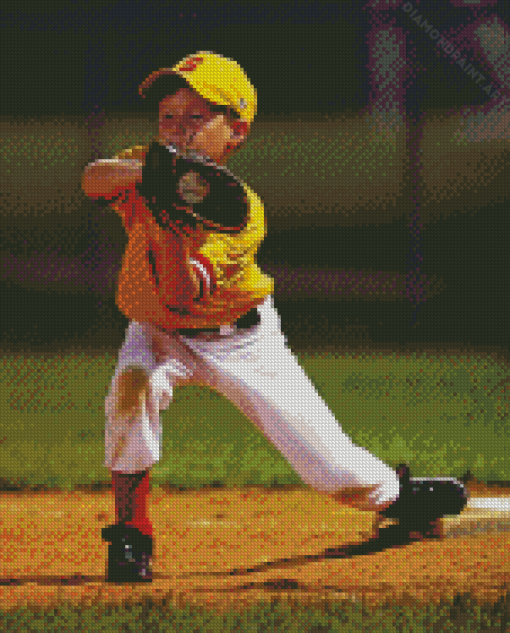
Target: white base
499, 504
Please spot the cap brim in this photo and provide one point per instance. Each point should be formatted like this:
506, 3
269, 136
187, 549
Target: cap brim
147, 83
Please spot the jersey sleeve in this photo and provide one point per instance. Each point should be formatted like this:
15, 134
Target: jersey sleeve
126, 205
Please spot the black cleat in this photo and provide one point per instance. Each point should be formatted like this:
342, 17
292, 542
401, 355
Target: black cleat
129, 554
422, 502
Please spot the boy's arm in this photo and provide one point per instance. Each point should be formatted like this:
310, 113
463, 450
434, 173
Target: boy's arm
108, 177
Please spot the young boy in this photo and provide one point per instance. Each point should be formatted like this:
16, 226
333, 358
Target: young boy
212, 322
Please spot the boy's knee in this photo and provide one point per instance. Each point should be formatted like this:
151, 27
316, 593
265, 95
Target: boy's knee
133, 385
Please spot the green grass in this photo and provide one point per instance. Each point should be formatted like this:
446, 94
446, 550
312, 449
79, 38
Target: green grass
461, 614
441, 414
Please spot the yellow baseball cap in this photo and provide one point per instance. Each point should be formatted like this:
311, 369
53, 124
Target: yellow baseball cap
216, 78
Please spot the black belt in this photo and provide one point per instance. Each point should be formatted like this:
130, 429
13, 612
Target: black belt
251, 318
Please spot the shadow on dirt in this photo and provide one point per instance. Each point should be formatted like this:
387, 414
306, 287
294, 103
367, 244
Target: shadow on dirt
387, 537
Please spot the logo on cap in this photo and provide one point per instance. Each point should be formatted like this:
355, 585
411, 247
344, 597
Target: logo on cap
191, 63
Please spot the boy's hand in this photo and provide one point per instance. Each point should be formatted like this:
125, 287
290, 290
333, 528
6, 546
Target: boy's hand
211, 139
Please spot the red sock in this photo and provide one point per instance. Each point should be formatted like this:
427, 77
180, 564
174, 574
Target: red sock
131, 492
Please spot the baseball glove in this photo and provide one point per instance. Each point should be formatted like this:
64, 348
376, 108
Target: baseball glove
183, 189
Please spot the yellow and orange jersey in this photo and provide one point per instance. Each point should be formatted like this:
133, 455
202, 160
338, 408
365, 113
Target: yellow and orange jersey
231, 281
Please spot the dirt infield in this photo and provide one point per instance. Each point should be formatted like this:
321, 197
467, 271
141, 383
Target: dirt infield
221, 548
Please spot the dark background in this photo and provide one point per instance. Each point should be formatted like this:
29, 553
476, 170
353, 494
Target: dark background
67, 57
84, 59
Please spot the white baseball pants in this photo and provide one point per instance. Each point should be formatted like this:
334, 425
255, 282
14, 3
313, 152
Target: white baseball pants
256, 371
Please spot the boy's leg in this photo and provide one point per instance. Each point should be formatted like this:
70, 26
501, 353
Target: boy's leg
259, 374
141, 387
131, 490
133, 428
131, 493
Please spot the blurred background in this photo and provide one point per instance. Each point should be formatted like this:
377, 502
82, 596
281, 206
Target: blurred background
380, 151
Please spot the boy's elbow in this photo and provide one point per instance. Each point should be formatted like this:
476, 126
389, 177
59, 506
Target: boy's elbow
95, 182
86, 185
104, 178
89, 181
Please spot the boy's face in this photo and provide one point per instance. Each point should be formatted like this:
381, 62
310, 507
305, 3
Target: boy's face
186, 121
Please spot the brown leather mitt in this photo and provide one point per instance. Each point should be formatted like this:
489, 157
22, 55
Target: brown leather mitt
185, 189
